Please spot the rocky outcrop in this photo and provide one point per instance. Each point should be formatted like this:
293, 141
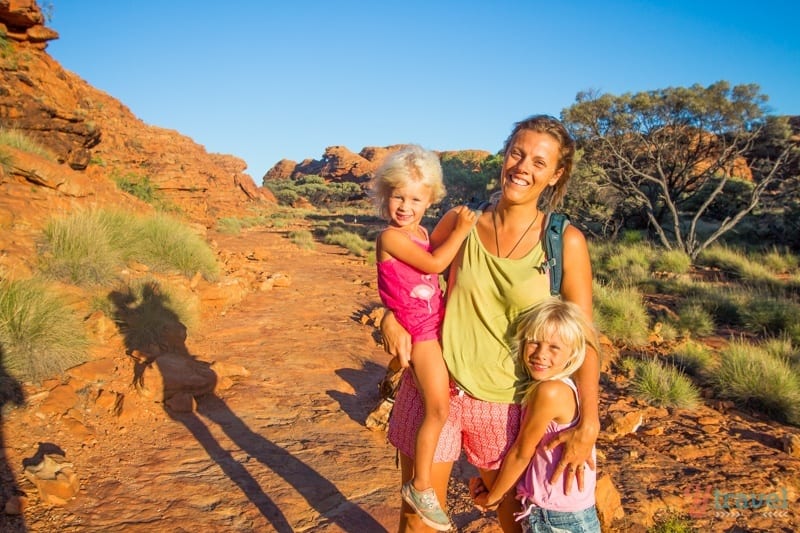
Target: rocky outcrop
88, 137
22, 21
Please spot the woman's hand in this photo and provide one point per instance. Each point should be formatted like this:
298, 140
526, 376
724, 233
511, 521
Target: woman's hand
396, 340
578, 444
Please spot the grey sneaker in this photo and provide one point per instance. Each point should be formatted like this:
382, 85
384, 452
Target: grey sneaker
426, 506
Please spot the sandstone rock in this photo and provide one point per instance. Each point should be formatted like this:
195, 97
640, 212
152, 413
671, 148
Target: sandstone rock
52, 475
609, 502
791, 444
620, 424
172, 374
59, 400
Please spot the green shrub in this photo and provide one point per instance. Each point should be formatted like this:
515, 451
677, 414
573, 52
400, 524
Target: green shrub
664, 385
693, 357
302, 238
232, 226
770, 315
779, 262
673, 262
692, 317
352, 242
671, 522
90, 247
315, 189
139, 186
20, 141
620, 314
749, 375
736, 264
40, 337
85, 248
165, 243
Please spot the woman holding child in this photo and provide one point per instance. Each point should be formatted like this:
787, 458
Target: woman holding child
495, 278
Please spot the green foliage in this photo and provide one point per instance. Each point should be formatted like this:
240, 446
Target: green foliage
620, 314
165, 243
621, 264
314, 189
773, 316
302, 238
90, 247
352, 242
695, 319
40, 336
663, 385
139, 186
749, 375
671, 522
85, 248
670, 157
672, 261
467, 177
693, 357
20, 141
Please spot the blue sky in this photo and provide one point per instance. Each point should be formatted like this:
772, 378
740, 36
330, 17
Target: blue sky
266, 80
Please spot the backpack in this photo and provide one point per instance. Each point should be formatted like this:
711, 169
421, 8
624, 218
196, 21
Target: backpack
553, 244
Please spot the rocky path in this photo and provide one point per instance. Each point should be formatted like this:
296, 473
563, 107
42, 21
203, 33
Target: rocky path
283, 449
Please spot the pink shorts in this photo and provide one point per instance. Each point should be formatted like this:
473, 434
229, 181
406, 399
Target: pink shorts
485, 430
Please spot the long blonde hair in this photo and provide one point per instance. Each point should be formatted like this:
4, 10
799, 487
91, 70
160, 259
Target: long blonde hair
554, 316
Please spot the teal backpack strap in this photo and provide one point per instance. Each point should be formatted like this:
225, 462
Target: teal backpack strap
478, 205
554, 250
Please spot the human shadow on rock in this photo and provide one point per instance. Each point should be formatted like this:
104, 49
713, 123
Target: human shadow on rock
10, 394
365, 382
155, 337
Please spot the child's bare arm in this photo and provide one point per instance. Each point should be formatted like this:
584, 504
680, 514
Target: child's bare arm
548, 402
399, 246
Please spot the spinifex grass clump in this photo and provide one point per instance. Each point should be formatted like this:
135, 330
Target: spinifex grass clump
749, 375
620, 314
664, 385
90, 247
39, 335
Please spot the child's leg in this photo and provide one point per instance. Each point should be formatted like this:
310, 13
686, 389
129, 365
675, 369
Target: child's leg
433, 383
440, 476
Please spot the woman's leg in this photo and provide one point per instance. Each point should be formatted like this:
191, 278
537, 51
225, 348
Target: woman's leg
440, 476
509, 505
433, 382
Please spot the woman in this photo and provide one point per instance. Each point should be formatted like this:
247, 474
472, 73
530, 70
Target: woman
496, 276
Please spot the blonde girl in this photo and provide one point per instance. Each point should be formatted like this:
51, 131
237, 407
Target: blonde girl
405, 186
551, 340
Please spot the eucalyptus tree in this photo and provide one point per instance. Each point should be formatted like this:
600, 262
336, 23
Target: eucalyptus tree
682, 159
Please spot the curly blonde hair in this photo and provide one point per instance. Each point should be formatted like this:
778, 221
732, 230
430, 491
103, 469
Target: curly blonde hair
409, 164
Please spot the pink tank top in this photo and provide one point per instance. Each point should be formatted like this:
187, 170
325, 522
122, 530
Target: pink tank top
534, 487
414, 296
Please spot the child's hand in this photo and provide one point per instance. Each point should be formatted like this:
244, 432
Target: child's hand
465, 220
480, 495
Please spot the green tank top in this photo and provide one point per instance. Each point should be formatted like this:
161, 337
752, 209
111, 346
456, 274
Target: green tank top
485, 296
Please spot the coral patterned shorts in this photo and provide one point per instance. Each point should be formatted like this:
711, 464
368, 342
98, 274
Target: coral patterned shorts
485, 430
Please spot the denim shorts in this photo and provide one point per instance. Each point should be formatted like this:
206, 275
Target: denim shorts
544, 521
